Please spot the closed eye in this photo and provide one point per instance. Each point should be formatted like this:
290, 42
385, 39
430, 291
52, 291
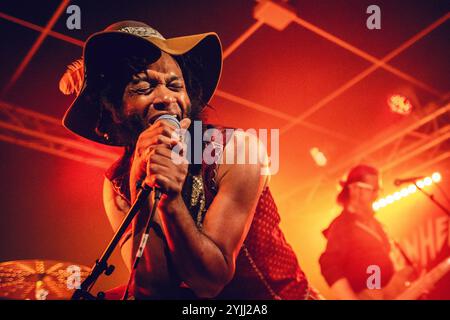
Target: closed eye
142, 89
176, 85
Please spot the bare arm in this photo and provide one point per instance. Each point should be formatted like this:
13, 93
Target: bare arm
205, 259
116, 208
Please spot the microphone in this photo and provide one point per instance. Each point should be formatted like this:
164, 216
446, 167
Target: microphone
172, 120
398, 182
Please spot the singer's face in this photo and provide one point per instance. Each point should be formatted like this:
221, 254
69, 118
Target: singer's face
159, 89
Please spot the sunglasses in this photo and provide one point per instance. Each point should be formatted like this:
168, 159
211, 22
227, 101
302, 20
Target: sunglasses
366, 186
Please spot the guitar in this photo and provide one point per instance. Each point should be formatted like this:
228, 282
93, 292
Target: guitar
399, 288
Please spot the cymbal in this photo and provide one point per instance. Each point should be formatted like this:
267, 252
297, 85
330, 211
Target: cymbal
40, 279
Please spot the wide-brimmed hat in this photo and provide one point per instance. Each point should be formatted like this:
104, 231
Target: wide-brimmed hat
133, 38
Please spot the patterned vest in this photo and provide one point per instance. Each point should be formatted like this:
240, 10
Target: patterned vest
266, 266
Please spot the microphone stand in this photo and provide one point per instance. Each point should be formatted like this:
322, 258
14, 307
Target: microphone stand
143, 243
407, 259
101, 265
431, 197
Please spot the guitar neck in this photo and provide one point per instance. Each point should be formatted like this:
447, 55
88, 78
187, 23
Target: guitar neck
426, 282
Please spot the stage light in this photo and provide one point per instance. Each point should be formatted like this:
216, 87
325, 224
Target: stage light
318, 156
420, 184
390, 199
400, 104
412, 188
406, 191
382, 202
436, 177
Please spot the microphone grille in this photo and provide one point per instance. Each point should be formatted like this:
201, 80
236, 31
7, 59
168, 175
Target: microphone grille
169, 118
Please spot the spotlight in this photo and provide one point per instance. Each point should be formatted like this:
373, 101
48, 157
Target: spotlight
428, 181
436, 177
382, 202
412, 188
400, 104
318, 156
404, 192
420, 184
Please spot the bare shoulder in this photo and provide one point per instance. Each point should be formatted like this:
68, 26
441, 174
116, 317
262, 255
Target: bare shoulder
244, 157
108, 189
115, 206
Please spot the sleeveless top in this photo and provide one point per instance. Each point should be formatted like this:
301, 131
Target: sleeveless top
266, 266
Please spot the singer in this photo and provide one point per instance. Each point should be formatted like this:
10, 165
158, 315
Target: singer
216, 232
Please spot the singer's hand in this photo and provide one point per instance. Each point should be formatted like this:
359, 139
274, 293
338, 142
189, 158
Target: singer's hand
166, 170
160, 135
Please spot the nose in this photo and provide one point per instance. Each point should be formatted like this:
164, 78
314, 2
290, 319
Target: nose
164, 103
164, 99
